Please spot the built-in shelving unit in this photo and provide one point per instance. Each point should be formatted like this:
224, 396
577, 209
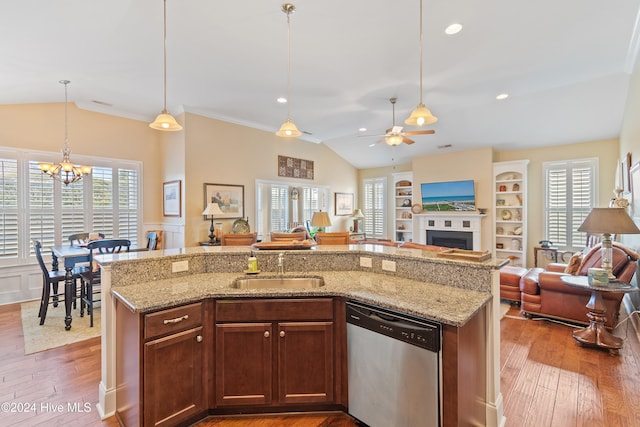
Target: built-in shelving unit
403, 199
510, 211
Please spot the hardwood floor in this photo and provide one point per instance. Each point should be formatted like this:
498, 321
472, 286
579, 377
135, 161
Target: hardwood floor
546, 380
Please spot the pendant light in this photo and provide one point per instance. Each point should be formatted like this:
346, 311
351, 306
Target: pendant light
165, 121
65, 171
421, 115
288, 128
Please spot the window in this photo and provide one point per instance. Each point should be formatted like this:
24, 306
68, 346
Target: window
375, 199
570, 193
36, 207
281, 206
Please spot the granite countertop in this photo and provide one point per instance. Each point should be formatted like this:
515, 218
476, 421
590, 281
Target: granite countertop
445, 304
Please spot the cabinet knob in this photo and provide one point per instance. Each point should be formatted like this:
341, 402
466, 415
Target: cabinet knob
266, 334
282, 334
199, 338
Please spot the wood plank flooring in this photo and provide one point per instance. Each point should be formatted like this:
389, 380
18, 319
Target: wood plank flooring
546, 380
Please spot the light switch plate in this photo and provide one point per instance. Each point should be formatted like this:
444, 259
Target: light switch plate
388, 265
365, 262
180, 266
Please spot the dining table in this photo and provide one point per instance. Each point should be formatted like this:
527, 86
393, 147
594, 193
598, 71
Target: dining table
72, 255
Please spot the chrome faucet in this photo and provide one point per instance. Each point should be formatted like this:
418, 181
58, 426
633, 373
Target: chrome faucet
281, 263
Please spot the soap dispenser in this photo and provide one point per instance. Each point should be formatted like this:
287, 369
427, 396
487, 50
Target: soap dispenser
252, 263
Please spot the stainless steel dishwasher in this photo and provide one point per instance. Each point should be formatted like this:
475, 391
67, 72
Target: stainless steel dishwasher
393, 368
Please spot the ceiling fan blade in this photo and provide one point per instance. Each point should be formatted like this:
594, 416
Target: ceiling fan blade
407, 140
421, 132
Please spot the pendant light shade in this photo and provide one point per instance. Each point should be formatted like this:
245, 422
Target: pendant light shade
288, 128
165, 121
421, 115
65, 171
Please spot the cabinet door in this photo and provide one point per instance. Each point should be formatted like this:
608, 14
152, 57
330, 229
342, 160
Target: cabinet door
173, 378
243, 364
305, 362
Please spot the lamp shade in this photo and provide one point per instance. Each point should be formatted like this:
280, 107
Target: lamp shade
165, 121
320, 219
421, 116
288, 130
609, 220
213, 210
357, 214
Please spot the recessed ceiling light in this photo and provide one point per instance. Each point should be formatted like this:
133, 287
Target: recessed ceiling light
372, 145
452, 29
502, 96
282, 100
362, 130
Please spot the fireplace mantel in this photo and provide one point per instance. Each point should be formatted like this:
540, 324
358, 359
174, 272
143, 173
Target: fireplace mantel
451, 221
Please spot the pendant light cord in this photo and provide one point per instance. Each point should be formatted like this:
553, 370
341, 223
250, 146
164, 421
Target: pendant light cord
420, 51
165, 57
288, 64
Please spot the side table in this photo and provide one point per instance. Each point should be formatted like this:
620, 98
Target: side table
596, 334
551, 249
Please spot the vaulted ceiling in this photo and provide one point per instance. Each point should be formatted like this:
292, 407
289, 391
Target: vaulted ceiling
565, 65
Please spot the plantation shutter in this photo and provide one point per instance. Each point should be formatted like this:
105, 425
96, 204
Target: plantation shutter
570, 195
127, 204
73, 212
375, 190
8, 208
102, 221
41, 207
279, 207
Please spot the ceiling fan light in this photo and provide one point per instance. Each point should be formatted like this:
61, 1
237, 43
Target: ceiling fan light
393, 140
288, 130
421, 116
165, 121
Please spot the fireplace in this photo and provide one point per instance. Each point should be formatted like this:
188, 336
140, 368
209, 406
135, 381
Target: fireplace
456, 227
450, 239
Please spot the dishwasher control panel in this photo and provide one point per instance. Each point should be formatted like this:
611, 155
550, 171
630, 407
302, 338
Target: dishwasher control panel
419, 332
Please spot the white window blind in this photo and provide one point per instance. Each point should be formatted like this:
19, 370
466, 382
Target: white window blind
127, 190
570, 194
8, 208
103, 210
375, 199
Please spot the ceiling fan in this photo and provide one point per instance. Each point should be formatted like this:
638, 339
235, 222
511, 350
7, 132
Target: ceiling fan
395, 135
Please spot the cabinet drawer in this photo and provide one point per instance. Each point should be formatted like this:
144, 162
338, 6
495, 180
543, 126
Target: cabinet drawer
274, 310
172, 320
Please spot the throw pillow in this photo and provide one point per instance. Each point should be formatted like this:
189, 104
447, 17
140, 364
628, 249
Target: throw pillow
574, 264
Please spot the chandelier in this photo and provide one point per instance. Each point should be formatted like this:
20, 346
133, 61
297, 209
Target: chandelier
65, 171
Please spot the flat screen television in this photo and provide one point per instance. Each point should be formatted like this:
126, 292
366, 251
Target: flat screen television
448, 196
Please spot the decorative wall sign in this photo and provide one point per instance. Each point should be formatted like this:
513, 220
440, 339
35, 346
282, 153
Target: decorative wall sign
295, 168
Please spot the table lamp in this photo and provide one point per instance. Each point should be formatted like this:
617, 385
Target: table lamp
357, 216
320, 220
212, 210
608, 221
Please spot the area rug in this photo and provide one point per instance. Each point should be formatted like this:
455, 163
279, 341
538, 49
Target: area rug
52, 334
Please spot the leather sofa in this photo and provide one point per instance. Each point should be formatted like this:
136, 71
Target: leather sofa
542, 293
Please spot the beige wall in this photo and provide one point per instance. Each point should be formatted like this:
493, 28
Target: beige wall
41, 127
226, 153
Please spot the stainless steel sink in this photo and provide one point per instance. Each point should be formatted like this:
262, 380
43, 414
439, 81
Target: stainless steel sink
278, 282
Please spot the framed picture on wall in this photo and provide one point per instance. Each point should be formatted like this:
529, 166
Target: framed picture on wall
344, 204
229, 197
172, 198
625, 169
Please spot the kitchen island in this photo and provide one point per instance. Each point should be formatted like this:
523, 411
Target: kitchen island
458, 294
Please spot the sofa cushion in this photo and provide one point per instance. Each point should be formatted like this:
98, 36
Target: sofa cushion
573, 266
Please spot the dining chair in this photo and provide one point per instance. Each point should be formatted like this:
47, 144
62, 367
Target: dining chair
287, 237
90, 280
82, 238
50, 282
152, 240
332, 238
238, 239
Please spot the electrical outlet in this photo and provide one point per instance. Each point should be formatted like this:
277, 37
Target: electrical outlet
388, 265
365, 262
179, 266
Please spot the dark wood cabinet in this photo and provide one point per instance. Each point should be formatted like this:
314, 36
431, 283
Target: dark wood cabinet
173, 387
160, 371
275, 352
